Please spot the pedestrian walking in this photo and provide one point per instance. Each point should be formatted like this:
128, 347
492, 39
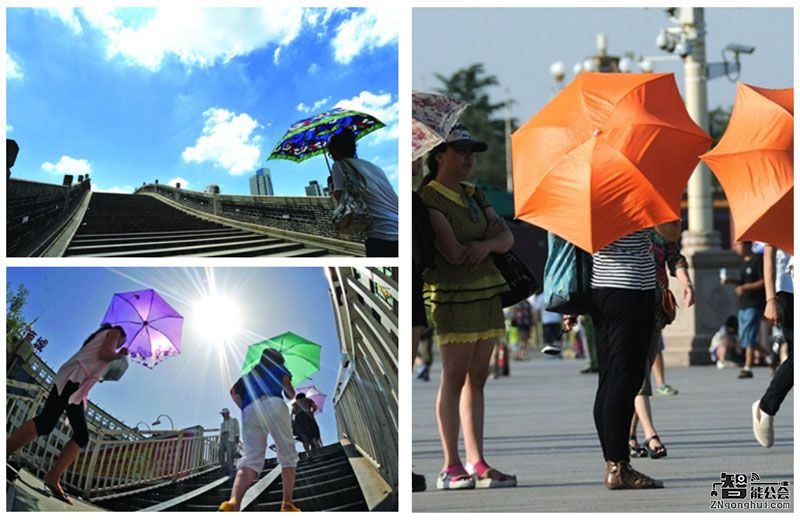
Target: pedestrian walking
228, 440
779, 309
463, 292
264, 412
379, 196
304, 425
69, 393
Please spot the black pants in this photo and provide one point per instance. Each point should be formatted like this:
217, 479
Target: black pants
378, 247
784, 377
53, 407
624, 321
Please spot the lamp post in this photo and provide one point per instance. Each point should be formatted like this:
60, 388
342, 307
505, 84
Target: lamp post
158, 421
145, 425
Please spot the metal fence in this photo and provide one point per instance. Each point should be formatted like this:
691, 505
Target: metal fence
114, 460
366, 395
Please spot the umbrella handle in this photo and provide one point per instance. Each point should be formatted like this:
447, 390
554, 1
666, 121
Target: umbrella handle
325, 154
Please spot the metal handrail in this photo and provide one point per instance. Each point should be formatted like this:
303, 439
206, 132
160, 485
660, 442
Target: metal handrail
114, 460
366, 396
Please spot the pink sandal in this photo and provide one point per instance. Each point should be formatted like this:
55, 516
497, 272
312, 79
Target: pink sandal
480, 472
455, 477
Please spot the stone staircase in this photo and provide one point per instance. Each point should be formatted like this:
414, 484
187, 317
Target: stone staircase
117, 225
326, 482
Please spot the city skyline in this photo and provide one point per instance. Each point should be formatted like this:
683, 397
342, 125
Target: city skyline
192, 95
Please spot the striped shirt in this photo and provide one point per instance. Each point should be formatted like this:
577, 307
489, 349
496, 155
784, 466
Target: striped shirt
626, 263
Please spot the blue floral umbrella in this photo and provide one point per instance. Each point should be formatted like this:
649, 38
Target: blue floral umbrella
309, 137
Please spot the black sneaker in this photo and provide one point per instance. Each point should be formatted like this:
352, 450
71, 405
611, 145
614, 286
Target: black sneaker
551, 350
417, 482
745, 374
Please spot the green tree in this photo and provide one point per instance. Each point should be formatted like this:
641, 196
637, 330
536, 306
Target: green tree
15, 303
471, 84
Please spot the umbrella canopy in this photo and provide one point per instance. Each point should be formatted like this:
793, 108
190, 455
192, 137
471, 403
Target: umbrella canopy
754, 164
152, 327
313, 393
432, 118
300, 354
609, 155
309, 137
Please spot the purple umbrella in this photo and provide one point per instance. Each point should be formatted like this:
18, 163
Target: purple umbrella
313, 393
152, 327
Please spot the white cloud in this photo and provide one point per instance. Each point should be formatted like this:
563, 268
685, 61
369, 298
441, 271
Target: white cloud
13, 70
68, 165
313, 69
276, 57
68, 16
365, 30
302, 107
378, 105
390, 171
9, 128
227, 142
176, 180
114, 189
197, 37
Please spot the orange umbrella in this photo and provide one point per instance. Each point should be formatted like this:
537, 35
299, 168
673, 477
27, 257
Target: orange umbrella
609, 155
754, 163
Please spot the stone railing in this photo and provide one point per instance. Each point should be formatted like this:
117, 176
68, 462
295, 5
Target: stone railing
35, 211
310, 216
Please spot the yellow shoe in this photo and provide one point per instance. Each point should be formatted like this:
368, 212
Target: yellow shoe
226, 508
288, 507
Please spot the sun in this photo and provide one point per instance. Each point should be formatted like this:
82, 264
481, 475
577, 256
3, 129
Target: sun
217, 317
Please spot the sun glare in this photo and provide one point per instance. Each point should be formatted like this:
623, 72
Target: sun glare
218, 317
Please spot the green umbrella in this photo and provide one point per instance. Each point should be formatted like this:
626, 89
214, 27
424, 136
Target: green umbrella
301, 355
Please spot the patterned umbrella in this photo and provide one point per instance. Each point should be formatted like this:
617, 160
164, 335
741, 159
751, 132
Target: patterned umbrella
432, 118
313, 393
300, 354
309, 137
152, 328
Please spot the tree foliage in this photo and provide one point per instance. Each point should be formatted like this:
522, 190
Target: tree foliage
15, 303
484, 119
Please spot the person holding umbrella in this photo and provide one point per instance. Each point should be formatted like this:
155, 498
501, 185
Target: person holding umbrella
380, 197
304, 424
264, 412
70, 393
464, 294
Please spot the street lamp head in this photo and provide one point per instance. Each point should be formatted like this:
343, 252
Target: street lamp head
577, 68
156, 423
558, 70
590, 65
684, 48
625, 65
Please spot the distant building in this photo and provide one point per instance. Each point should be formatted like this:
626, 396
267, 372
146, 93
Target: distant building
326, 191
313, 189
261, 183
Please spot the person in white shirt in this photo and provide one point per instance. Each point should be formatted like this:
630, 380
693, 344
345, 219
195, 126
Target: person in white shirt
380, 197
228, 439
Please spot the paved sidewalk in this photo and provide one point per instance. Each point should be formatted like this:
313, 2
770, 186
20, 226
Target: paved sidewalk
539, 426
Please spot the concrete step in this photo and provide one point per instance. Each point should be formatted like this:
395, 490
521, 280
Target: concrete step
234, 248
95, 237
162, 242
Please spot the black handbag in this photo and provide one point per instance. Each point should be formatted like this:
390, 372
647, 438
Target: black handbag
519, 278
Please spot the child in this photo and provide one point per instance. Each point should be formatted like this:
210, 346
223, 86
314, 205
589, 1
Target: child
725, 338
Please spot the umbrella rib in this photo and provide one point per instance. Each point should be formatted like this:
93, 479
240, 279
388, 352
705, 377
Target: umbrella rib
134, 308
150, 323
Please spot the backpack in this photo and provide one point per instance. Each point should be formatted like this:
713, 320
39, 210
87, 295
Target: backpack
352, 214
567, 277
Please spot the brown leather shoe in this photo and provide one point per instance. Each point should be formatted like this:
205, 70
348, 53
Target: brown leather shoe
620, 475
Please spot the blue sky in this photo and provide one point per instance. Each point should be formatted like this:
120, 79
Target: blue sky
519, 45
193, 387
194, 95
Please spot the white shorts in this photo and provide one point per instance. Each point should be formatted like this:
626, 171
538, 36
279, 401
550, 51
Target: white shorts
263, 417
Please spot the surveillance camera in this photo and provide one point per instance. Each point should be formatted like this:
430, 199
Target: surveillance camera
683, 49
671, 11
739, 48
662, 40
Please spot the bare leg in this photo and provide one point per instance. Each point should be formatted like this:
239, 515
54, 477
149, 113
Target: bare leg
472, 400
67, 457
287, 476
244, 479
749, 357
416, 334
25, 434
456, 358
658, 369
